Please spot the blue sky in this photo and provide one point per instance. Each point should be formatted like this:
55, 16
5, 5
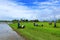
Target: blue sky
29, 9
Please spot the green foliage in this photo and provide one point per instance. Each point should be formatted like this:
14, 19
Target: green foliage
15, 21
36, 20
24, 20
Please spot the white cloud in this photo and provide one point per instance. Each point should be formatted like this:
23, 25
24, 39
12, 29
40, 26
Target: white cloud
44, 11
12, 10
49, 9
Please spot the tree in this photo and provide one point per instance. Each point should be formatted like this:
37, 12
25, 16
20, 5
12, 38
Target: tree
14, 21
36, 20
24, 20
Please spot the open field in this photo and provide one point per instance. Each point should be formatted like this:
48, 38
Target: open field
31, 32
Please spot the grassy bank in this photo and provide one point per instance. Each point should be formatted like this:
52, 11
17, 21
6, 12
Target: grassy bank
30, 32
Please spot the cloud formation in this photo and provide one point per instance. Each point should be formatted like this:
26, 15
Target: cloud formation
38, 10
12, 10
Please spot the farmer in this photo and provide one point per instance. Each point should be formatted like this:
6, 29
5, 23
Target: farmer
42, 25
19, 25
35, 24
55, 24
23, 26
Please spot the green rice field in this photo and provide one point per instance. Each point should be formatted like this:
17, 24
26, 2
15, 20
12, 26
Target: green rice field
31, 32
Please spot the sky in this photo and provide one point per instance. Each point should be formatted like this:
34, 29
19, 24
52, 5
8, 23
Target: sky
29, 9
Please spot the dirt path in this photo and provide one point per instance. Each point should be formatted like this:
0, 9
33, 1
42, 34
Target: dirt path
6, 33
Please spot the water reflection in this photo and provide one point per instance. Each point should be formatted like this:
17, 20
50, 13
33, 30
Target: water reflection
6, 33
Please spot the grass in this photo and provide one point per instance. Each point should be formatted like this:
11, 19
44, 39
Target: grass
30, 32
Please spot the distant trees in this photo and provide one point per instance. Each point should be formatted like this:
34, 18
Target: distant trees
14, 21
5, 21
36, 20
25, 20
58, 20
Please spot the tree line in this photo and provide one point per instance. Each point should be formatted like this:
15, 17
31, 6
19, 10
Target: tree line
25, 20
